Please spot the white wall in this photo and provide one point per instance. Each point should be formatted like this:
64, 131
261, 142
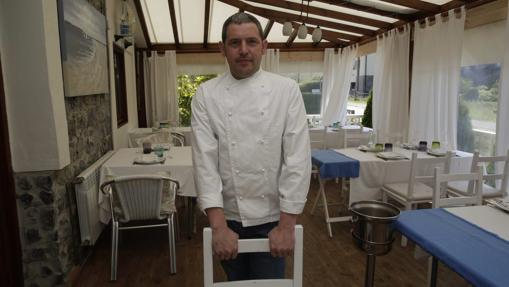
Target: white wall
484, 44
33, 85
120, 135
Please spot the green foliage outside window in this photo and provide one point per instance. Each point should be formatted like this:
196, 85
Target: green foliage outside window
465, 133
187, 86
366, 118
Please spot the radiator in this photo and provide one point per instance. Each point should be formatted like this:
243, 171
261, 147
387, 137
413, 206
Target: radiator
86, 186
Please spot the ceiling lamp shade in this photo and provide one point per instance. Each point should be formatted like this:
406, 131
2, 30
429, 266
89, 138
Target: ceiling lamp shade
317, 35
303, 31
287, 28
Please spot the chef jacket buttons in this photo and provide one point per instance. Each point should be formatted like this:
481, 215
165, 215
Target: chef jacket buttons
240, 197
229, 114
263, 195
237, 171
234, 143
261, 141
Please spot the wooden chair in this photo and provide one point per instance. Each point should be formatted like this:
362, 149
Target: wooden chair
352, 137
415, 191
139, 199
253, 245
464, 188
474, 198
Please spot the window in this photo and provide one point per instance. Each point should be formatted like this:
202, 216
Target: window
187, 86
361, 85
477, 108
120, 87
311, 88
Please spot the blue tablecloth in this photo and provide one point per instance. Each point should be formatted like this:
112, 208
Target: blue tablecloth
333, 164
479, 256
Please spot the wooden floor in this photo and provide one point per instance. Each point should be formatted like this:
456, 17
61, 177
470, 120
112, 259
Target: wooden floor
144, 258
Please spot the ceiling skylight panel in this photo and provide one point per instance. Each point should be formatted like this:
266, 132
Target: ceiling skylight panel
219, 12
386, 6
438, 2
190, 16
347, 11
157, 17
311, 16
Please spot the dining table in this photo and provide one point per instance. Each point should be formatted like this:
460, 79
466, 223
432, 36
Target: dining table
472, 240
178, 165
374, 171
163, 133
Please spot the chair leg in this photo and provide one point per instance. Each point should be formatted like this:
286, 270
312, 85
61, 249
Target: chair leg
114, 250
171, 239
404, 240
316, 199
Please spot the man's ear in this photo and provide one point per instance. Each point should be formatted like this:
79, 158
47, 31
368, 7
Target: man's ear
221, 48
265, 44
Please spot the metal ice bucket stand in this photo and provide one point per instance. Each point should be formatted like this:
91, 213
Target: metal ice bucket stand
372, 231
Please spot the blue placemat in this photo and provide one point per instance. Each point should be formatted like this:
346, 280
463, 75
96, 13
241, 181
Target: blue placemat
333, 164
479, 256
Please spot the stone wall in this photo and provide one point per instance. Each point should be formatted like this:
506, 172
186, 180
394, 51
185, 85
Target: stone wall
46, 201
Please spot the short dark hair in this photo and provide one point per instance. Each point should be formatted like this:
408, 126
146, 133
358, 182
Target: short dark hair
240, 18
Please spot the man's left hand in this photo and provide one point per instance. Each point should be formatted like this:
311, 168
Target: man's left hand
282, 241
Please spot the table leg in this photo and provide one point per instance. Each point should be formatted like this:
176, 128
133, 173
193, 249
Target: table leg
325, 206
432, 272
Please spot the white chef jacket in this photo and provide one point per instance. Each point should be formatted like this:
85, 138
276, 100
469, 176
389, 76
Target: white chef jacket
251, 151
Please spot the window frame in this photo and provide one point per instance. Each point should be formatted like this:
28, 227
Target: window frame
120, 86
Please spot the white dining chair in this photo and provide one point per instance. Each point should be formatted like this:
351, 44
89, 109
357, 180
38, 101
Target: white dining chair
501, 178
441, 199
318, 138
414, 191
352, 137
253, 245
136, 199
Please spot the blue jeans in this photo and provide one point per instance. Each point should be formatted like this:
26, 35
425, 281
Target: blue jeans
248, 266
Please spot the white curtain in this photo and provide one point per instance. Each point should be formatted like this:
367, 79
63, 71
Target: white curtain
503, 99
435, 80
270, 61
336, 83
390, 88
161, 97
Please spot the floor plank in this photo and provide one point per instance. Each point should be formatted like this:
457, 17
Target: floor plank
144, 258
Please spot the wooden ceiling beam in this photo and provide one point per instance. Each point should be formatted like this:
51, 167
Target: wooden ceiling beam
305, 9
271, 14
416, 4
368, 9
267, 29
174, 22
143, 23
291, 38
206, 24
214, 47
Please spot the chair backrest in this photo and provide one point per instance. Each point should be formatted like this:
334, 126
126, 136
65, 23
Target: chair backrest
254, 245
501, 174
473, 198
158, 137
139, 196
177, 138
444, 162
317, 138
352, 137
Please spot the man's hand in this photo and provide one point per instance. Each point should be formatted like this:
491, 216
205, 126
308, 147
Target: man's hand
224, 240
282, 237
224, 243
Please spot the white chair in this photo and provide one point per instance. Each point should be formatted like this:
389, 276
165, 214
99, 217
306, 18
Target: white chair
352, 137
443, 200
159, 137
464, 188
253, 245
318, 138
177, 138
140, 197
415, 191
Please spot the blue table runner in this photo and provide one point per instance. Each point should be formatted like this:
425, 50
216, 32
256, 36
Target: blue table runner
479, 256
333, 164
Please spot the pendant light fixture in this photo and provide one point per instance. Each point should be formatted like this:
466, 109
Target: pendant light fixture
317, 35
303, 30
287, 28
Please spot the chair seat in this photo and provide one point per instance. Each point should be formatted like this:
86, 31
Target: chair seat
462, 186
421, 191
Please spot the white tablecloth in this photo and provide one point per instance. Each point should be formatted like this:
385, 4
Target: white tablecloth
335, 136
138, 133
486, 217
375, 172
178, 165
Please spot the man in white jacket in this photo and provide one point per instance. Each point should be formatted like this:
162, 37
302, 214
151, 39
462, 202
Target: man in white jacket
251, 154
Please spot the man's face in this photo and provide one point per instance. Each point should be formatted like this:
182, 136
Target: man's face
243, 49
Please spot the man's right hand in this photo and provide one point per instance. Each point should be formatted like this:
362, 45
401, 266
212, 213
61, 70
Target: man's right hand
224, 240
224, 243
